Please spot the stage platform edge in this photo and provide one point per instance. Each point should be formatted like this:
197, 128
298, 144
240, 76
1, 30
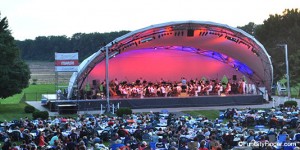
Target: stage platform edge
161, 102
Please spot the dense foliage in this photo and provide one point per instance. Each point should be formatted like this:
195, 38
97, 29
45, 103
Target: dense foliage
44, 47
14, 73
123, 111
290, 103
40, 114
280, 29
29, 109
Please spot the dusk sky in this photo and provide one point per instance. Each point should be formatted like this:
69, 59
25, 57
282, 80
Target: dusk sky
31, 18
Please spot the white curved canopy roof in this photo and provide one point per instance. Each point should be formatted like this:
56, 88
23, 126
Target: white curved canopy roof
232, 46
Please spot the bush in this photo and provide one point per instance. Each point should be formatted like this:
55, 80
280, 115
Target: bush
40, 114
34, 81
290, 103
29, 109
123, 111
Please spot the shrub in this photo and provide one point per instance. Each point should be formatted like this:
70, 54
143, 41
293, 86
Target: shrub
123, 111
40, 114
29, 109
290, 103
34, 81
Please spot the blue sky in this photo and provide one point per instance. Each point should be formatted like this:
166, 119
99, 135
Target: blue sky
31, 18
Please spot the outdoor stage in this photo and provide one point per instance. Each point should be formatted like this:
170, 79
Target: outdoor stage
156, 102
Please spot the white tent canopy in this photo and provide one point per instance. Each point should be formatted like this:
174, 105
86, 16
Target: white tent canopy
231, 46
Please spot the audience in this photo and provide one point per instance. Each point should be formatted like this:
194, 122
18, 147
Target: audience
146, 131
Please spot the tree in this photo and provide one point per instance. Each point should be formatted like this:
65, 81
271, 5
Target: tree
249, 28
14, 73
282, 29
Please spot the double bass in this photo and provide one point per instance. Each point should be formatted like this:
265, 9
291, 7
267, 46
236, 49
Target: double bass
240, 88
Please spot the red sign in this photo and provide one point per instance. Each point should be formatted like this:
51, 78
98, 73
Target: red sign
66, 63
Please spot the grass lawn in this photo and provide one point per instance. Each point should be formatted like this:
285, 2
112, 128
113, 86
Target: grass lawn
33, 92
210, 114
13, 111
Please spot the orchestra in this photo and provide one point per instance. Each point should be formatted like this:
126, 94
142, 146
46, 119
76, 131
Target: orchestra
142, 88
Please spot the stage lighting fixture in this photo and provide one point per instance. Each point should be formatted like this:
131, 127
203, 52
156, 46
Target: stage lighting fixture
190, 32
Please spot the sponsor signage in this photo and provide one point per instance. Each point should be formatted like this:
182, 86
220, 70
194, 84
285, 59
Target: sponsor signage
66, 62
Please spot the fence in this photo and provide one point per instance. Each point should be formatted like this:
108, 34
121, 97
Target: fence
34, 96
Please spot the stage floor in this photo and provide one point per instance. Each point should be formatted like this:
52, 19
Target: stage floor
163, 102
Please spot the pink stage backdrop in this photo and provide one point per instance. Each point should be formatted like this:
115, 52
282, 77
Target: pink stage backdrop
153, 65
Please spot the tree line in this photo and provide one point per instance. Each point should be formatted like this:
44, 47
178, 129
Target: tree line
42, 48
280, 29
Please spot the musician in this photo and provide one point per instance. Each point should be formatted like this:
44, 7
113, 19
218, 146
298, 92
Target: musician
242, 86
228, 88
163, 90
198, 89
134, 91
209, 88
183, 84
216, 88
220, 88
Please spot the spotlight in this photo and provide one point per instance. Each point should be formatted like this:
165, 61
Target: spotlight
190, 32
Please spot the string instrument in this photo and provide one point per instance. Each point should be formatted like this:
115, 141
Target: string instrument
228, 88
113, 93
240, 88
217, 88
192, 90
204, 88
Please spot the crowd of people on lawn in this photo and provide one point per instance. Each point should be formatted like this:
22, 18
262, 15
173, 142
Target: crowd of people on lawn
265, 129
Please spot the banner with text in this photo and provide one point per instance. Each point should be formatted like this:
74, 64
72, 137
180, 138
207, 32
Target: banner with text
66, 62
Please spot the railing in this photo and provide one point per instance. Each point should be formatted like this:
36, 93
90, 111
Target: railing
34, 96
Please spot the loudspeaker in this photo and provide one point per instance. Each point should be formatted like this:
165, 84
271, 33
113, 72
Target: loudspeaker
234, 77
94, 82
190, 32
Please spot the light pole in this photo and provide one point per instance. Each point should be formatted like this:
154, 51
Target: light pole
287, 69
107, 80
